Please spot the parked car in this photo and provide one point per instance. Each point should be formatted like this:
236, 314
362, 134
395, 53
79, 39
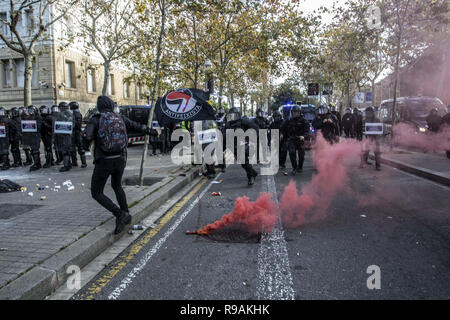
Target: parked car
411, 110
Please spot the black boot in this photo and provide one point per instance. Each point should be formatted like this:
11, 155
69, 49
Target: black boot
37, 162
29, 159
17, 160
83, 160
5, 161
121, 221
59, 158
48, 160
73, 156
67, 165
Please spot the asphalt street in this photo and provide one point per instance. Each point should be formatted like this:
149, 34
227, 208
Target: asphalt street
392, 220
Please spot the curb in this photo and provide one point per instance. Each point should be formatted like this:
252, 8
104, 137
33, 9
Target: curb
43, 279
418, 171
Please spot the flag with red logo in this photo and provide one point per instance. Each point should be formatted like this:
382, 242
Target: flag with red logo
183, 105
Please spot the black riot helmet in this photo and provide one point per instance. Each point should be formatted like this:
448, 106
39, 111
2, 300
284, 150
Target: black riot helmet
370, 113
2, 112
55, 109
260, 113
74, 105
63, 106
296, 111
355, 111
276, 115
15, 112
233, 114
45, 110
348, 111
220, 112
32, 109
322, 110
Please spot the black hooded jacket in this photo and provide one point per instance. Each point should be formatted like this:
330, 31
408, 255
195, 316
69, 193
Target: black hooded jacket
105, 104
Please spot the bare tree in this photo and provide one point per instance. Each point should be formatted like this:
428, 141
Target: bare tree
42, 14
107, 27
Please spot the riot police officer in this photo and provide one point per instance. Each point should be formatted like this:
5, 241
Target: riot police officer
434, 121
234, 121
371, 141
15, 137
31, 134
348, 123
63, 129
5, 129
337, 114
277, 123
262, 122
295, 131
329, 128
59, 158
26, 148
47, 135
76, 136
358, 123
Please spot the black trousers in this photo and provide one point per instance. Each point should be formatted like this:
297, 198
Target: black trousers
104, 168
296, 146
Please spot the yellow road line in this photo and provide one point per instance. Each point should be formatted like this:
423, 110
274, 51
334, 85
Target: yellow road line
123, 260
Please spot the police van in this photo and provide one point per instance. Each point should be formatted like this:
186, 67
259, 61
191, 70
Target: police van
410, 110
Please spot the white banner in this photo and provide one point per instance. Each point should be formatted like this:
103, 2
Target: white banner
63, 127
2, 131
29, 126
207, 136
374, 128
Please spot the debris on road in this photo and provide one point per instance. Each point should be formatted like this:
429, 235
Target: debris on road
182, 174
363, 216
3, 249
131, 231
30, 194
216, 194
43, 198
137, 227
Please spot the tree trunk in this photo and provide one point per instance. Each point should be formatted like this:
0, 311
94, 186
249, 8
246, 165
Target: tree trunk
220, 92
155, 88
107, 67
28, 76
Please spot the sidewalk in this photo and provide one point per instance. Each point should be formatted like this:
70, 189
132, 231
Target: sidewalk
41, 238
435, 167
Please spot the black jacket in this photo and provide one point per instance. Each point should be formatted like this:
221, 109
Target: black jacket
294, 128
105, 104
4, 142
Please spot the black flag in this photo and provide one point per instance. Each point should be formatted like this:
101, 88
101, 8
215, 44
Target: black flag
183, 104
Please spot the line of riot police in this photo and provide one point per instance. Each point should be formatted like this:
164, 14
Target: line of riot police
59, 128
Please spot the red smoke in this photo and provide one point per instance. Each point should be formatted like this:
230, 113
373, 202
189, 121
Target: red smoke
257, 216
406, 135
313, 202
315, 198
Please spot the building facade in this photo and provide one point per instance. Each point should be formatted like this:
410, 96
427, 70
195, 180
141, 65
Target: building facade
62, 72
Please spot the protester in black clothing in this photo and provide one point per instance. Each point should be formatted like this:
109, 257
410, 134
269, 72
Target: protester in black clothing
295, 131
110, 163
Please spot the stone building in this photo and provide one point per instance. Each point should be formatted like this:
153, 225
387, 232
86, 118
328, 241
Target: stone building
62, 73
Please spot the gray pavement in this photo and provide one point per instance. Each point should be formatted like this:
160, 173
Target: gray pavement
33, 230
393, 220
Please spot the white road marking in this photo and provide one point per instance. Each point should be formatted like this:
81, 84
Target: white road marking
274, 273
143, 262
